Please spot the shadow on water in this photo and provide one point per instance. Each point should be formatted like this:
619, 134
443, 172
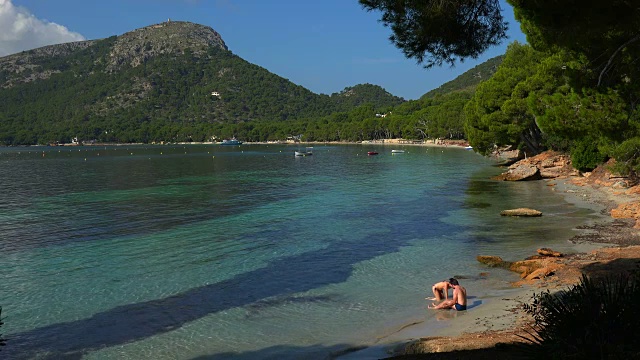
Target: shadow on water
282, 278
287, 353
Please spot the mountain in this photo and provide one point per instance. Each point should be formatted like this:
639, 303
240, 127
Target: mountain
158, 79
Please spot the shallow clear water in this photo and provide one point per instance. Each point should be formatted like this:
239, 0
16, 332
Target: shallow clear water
182, 252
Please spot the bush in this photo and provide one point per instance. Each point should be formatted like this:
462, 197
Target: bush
627, 157
596, 319
585, 155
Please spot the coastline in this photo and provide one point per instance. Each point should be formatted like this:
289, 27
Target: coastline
608, 245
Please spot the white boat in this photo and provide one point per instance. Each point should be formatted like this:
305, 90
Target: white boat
397, 151
307, 152
231, 142
468, 147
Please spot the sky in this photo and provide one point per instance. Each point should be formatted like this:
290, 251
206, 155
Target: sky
324, 46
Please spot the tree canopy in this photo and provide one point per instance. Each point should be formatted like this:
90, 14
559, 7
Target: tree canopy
434, 32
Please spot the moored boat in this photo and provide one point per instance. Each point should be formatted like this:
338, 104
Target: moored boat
308, 152
397, 151
233, 141
372, 153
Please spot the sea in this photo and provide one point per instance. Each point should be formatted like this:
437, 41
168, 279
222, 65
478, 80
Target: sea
249, 252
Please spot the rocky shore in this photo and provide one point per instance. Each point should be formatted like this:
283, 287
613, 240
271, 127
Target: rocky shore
615, 244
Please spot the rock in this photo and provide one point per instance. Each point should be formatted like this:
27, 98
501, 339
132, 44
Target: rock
521, 172
493, 261
525, 267
521, 212
629, 210
540, 273
547, 165
552, 172
549, 252
508, 157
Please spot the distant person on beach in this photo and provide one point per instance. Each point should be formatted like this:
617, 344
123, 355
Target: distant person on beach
458, 301
440, 290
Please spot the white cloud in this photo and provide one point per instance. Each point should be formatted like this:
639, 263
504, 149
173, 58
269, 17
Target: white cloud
20, 30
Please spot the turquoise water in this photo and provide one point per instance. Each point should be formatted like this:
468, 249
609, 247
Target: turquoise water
184, 252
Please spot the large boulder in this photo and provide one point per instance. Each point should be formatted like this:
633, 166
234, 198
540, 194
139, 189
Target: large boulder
547, 165
521, 212
507, 157
521, 172
528, 269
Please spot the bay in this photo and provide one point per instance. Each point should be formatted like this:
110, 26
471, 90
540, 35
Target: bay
205, 251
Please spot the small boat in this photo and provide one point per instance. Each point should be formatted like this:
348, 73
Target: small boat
231, 142
397, 151
372, 153
468, 147
308, 152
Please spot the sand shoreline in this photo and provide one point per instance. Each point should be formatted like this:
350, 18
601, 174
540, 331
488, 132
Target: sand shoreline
502, 320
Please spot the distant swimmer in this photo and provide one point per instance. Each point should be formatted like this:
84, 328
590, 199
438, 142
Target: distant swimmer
440, 290
457, 302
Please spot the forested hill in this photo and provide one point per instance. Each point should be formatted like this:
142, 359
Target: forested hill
163, 76
469, 79
362, 94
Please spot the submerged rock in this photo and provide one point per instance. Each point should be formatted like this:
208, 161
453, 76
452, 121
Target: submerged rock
521, 212
493, 261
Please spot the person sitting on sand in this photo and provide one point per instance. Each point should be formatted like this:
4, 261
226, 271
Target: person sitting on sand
458, 301
440, 290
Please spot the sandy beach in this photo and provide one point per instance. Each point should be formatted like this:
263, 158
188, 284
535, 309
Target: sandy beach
610, 245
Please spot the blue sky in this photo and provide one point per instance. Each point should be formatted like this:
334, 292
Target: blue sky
324, 46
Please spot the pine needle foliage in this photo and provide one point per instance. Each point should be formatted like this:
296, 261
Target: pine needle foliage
595, 319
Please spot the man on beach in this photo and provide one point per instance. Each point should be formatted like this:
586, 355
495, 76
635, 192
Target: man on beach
440, 290
457, 302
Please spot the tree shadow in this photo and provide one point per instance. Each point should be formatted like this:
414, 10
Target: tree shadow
613, 267
282, 352
282, 278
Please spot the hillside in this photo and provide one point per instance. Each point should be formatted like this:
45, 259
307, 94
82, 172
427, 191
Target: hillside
168, 75
469, 79
362, 94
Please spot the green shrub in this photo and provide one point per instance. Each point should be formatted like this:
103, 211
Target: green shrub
627, 157
596, 319
585, 155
